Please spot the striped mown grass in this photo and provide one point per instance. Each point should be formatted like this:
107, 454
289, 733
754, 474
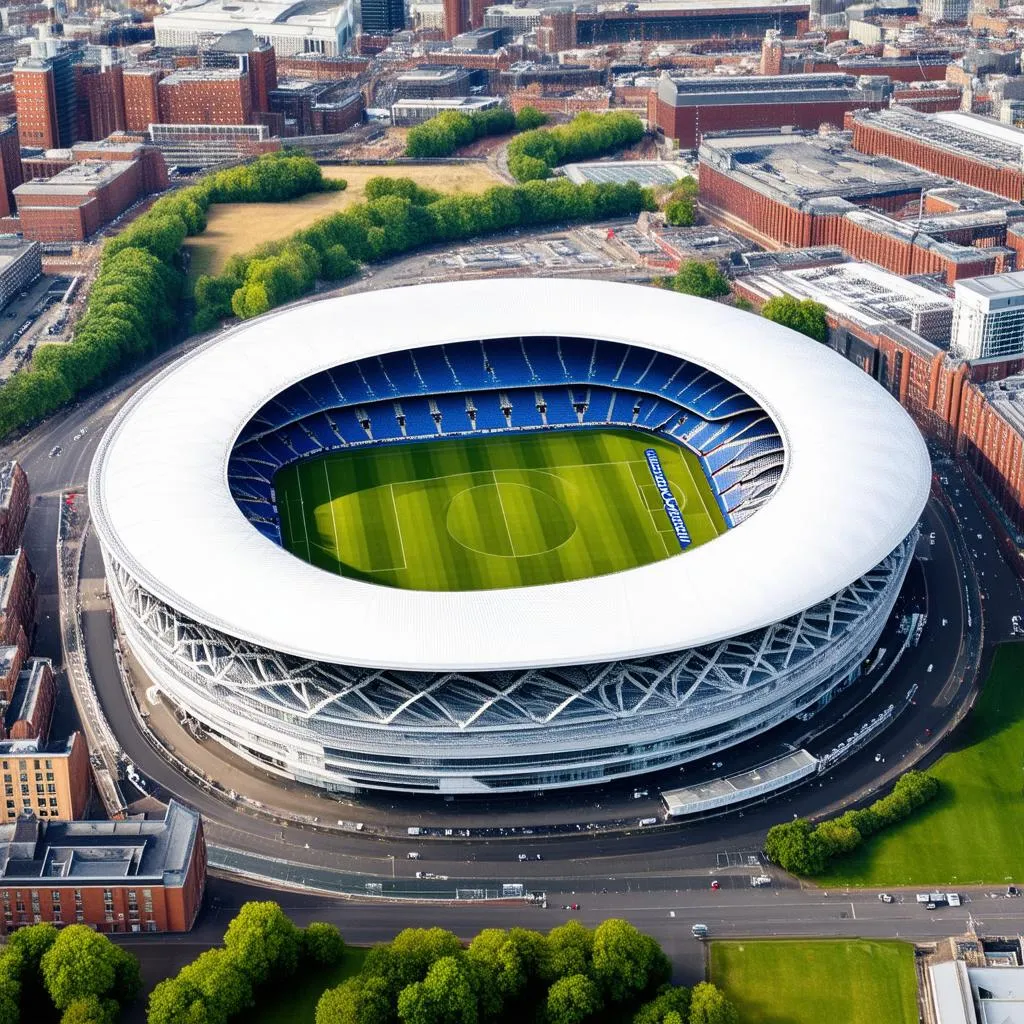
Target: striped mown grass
502, 510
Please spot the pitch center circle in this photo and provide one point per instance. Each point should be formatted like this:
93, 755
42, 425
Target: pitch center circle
510, 520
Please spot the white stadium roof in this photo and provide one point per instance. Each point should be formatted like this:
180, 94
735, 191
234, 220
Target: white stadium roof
856, 479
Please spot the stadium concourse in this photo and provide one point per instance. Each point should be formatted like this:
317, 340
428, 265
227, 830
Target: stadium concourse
477, 682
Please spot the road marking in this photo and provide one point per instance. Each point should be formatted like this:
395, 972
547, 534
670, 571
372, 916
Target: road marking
853, 910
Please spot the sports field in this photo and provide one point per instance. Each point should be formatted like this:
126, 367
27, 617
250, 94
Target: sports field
806, 982
492, 512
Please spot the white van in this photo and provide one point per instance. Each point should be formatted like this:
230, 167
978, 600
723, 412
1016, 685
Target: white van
644, 822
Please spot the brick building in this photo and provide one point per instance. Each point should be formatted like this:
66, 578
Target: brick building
17, 603
973, 150
116, 876
141, 102
205, 96
799, 190
685, 109
100, 98
13, 506
103, 182
27, 717
44, 91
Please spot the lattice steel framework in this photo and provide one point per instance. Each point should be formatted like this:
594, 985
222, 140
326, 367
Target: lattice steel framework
344, 727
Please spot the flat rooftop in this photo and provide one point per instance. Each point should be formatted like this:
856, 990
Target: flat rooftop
719, 90
995, 285
796, 167
979, 138
78, 179
96, 851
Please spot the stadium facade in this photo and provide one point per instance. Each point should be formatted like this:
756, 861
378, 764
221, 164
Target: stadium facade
351, 686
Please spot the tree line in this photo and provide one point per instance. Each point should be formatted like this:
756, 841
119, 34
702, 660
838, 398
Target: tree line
398, 216
805, 849
262, 948
532, 154
139, 298
446, 132
75, 972
571, 975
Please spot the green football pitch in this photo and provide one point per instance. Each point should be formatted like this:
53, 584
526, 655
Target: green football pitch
497, 511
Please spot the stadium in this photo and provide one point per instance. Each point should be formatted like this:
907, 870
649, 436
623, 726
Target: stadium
504, 536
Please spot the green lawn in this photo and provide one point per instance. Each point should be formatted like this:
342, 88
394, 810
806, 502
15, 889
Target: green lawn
810, 982
295, 1002
974, 832
495, 511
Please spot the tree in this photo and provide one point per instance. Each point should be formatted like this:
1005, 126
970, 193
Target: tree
92, 1010
222, 982
176, 1001
627, 962
708, 1005
794, 846
805, 316
264, 941
445, 996
322, 944
24, 953
680, 213
572, 999
529, 118
701, 278
11, 997
409, 956
82, 963
570, 950
671, 999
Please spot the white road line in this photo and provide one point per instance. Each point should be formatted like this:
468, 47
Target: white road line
853, 910
398, 527
501, 505
330, 505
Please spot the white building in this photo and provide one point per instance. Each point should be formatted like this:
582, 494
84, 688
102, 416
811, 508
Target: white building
977, 995
988, 317
307, 26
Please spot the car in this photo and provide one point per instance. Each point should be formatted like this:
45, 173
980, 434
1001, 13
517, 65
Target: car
538, 857
699, 931
717, 764
879, 759
412, 856
522, 857
1012, 890
574, 906
929, 906
716, 885
55, 451
639, 794
886, 898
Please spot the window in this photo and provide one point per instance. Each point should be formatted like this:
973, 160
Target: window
51, 788
49, 776
9, 790
39, 776
53, 801
49, 764
24, 787
10, 805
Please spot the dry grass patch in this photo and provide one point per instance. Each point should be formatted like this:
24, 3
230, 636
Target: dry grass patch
235, 227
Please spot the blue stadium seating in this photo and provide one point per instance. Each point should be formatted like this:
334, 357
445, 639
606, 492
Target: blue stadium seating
418, 420
579, 382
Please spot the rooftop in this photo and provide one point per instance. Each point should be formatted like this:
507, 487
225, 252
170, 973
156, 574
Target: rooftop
980, 138
187, 75
744, 89
994, 285
259, 12
797, 167
865, 294
79, 179
8, 468
99, 850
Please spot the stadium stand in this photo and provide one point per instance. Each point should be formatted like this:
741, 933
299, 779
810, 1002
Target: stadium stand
508, 384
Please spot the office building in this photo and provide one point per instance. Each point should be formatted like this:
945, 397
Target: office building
21, 262
11, 175
317, 26
988, 317
13, 500
115, 876
44, 91
205, 96
382, 17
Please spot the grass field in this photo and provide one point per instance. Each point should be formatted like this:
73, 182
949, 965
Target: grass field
974, 832
295, 1003
490, 512
235, 227
808, 982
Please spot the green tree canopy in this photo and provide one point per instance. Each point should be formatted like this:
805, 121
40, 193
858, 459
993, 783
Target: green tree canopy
82, 963
708, 1005
322, 944
92, 1010
627, 963
572, 1000
803, 315
176, 1001
445, 996
680, 212
702, 278
264, 941
670, 999
222, 982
